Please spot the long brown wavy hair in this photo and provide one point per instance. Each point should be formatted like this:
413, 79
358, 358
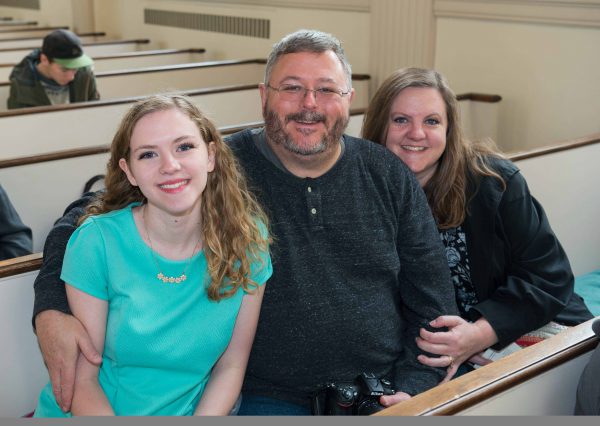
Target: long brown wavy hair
230, 214
462, 159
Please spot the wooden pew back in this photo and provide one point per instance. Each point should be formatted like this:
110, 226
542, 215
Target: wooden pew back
27, 31
68, 126
16, 25
132, 60
538, 380
565, 180
142, 82
18, 42
54, 180
147, 58
49, 129
23, 372
157, 79
91, 49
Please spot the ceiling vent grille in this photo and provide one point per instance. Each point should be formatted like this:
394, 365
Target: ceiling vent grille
250, 27
23, 4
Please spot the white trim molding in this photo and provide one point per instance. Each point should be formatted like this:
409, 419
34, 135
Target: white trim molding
341, 5
585, 13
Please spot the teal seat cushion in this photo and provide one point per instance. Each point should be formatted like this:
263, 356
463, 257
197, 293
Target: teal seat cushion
588, 287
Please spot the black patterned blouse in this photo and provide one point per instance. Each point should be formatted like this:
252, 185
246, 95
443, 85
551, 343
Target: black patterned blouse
455, 241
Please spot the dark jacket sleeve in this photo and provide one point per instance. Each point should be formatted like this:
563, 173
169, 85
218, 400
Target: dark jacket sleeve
83, 87
15, 237
12, 102
532, 277
48, 287
426, 291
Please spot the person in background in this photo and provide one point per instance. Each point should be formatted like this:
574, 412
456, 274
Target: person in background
166, 271
15, 237
358, 266
58, 73
510, 273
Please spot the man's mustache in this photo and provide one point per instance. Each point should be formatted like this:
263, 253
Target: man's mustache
308, 116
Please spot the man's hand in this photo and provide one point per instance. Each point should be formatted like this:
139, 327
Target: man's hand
389, 400
61, 337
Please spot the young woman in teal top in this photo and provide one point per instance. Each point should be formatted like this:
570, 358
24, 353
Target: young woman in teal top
166, 272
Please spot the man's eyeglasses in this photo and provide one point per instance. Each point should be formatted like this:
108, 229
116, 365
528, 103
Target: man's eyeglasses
296, 92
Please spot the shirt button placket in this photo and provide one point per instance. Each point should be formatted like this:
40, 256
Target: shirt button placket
313, 204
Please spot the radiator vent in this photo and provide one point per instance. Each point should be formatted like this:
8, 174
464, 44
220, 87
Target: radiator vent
250, 27
23, 4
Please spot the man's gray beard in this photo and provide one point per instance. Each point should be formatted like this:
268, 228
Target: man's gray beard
276, 131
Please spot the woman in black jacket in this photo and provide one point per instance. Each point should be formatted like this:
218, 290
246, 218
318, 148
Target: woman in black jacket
509, 270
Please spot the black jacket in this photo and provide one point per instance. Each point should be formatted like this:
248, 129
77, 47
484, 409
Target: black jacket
520, 272
15, 237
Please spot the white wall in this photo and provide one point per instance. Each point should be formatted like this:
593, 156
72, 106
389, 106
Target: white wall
547, 76
52, 13
124, 19
566, 184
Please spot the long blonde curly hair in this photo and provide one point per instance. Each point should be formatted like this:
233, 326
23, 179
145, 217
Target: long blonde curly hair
231, 216
462, 159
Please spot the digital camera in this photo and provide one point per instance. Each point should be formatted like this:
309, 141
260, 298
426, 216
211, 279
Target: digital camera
358, 398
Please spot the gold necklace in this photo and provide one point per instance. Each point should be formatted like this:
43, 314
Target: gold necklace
160, 276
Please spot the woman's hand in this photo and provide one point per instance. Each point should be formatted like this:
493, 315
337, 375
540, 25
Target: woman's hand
462, 341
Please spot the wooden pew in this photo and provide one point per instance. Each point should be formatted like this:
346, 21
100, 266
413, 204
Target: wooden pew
27, 31
145, 81
18, 42
538, 380
23, 371
41, 186
18, 24
103, 115
132, 60
60, 127
155, 79
564, 178
90, 48
480, 115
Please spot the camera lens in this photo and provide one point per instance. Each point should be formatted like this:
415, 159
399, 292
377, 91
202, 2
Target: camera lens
368, 407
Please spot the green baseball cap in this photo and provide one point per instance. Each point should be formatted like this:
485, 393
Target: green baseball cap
64, 48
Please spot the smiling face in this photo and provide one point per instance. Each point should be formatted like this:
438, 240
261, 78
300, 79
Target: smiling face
169, 161
306, 126
417, 130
